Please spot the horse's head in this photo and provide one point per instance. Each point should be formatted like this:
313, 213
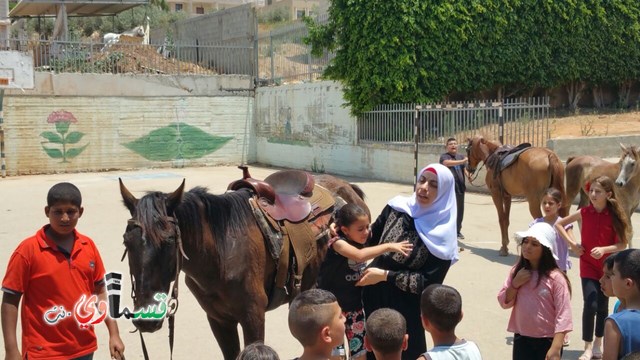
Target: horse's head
151, 241
472, 149
628, 164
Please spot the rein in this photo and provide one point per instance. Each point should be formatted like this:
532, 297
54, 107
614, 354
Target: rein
172, 303
475, 173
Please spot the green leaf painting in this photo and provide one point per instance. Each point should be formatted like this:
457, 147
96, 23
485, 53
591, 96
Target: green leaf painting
177, 141
62, 120
52, 137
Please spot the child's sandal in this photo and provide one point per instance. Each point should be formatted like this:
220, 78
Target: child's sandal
596, 354
586, 355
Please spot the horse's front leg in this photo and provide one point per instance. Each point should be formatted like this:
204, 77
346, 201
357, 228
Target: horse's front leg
224, 329
226, 333
253, 319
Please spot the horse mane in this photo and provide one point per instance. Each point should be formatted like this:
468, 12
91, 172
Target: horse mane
151, 214
358, 190
218, 215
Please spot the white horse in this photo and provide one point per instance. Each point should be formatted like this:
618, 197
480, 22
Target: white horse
112, 38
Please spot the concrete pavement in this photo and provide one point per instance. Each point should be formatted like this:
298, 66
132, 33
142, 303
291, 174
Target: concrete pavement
478, 275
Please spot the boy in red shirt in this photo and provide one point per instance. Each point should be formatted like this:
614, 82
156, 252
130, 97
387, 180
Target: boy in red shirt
55, 273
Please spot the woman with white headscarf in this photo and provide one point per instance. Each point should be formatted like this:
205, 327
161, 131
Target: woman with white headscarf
427, 219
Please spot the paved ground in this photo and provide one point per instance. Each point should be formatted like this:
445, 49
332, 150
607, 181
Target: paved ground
478, 275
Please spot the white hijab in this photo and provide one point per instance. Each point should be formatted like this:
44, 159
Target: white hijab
435, 223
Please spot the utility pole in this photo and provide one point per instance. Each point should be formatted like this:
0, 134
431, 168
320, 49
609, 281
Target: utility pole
5, 24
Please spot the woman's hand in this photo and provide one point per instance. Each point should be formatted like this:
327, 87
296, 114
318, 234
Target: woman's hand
403, 247
372, 276
597, 253
521, 278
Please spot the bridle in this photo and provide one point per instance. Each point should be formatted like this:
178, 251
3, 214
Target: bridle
475, 172
172, 302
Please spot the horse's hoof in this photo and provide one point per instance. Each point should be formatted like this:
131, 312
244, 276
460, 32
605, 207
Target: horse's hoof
504, 252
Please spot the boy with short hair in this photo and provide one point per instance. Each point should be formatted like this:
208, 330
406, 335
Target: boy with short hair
386, 334
441, 311
621, 335
316, 321
51, 272
457, 164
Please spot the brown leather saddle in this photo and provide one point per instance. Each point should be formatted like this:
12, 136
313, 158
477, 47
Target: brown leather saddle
505, 156
292, 213
284, 195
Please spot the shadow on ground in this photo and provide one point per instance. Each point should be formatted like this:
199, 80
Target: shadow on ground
489, 254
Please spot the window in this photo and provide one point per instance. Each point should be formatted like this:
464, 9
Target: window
178, 7
199, 10
299, 14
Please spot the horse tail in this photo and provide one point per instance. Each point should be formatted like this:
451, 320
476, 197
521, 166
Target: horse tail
557, 181
358, 190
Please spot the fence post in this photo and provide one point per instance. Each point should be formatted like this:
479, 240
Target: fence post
415, 149
501, 122
309, 62
273, 77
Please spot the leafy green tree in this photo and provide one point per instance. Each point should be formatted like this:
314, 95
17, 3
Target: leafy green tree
408, 51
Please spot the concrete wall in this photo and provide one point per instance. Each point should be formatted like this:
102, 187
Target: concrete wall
236, 24
600, 146
305, 126
75, 122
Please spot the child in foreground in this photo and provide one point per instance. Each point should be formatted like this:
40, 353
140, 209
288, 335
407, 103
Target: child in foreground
622, 329
386, 334
605, 283
441, 312
343, 266
52, 270
605, 229
316, 321
539, 294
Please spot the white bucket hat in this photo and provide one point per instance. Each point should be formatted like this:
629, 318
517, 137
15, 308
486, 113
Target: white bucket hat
544, 233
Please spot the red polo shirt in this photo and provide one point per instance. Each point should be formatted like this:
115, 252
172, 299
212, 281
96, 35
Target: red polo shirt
47, 278
597, 230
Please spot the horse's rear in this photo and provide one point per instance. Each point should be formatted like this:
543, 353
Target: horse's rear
581, 169
536, 170
349, 192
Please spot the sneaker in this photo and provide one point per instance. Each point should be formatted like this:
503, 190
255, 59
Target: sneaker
460, 236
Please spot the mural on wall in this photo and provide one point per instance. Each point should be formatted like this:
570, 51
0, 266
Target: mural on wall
177, 141
312, 117
58, 142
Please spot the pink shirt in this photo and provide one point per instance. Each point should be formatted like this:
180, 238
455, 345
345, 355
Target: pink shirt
539, 311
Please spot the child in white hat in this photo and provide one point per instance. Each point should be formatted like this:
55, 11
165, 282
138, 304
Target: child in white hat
539, 294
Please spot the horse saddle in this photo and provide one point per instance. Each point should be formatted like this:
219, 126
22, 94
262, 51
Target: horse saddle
284, 195
505, 156
291, 243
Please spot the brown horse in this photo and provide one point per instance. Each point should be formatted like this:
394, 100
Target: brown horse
217, 242
535, 171
625, 172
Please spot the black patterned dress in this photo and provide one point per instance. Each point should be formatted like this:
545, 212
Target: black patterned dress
408, 276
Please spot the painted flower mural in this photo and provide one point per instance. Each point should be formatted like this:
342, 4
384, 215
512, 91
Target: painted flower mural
57, 142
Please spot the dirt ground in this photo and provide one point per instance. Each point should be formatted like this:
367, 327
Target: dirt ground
595, 125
